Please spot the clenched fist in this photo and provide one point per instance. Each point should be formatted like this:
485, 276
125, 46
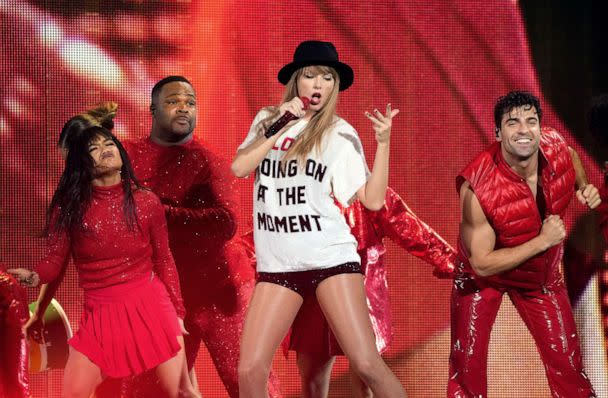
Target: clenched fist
589, 195
553, 230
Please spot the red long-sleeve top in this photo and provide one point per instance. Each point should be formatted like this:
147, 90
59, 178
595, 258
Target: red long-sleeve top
399, 223
106, 252
198, 194
396, 221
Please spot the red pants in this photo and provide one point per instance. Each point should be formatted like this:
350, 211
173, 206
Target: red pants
546, 313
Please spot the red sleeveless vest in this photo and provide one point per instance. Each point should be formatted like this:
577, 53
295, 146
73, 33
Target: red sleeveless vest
512, 211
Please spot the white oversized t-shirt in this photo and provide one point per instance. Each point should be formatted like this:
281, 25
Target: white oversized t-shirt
297, 226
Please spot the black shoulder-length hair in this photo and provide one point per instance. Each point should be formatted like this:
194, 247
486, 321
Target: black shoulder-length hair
73, 195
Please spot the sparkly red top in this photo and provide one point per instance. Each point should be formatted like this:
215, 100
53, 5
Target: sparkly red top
14, 379
199, 196
106, 252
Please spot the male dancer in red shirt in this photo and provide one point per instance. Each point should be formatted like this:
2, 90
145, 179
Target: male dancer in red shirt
198, 193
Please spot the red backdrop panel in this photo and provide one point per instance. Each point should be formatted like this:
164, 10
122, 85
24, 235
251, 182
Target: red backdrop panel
442, 63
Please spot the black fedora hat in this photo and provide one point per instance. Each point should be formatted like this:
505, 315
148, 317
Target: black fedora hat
314, 52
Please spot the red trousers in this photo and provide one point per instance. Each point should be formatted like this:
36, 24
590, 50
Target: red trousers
548, 316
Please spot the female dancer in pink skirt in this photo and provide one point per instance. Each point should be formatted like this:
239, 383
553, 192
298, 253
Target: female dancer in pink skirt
117, 235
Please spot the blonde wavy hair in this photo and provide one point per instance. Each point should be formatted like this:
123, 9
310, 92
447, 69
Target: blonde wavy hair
101, 115
312, 136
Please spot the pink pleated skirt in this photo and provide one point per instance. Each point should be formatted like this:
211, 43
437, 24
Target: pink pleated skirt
128, 328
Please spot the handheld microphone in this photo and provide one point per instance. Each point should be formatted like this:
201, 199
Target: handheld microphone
283, 120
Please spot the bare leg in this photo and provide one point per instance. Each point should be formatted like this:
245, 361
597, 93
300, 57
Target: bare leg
360, 389
80, 376
271, 311
315, 371
221, 332
194, 381
342, 299
173, 375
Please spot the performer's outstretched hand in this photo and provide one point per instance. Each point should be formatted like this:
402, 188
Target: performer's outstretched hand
383, 123
589, 195
24, 276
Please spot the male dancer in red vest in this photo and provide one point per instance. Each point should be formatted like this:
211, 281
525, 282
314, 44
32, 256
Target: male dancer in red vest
512, 199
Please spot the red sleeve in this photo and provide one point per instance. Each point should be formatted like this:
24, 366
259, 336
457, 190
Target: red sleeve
211, 216
402, 226
13, 342
164, 266
53, 265
51, 289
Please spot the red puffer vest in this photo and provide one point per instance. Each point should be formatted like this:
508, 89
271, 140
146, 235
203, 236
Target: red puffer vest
512, 211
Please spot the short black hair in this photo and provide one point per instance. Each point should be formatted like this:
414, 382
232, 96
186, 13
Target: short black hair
597, 118
515, 99
161, 83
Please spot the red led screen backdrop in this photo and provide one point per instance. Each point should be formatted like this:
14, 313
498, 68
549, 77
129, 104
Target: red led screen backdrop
442, 63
